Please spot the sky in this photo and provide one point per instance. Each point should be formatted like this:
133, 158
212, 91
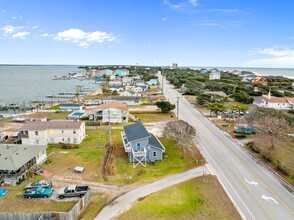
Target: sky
222, 33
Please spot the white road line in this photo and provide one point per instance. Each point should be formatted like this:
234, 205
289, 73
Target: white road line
251, 182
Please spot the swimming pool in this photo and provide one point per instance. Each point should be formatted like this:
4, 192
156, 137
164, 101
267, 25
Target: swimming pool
76, 114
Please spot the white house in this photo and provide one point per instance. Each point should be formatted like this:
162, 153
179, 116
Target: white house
214, 75
16, 160
276, 103
113, 112
127, 81
53, 131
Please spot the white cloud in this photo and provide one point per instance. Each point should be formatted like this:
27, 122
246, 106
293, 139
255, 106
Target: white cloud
224, 10
180, 5
21, 35
9, 29
164, 19
193, 2
276, 57
44, 35
83, 38
14, 17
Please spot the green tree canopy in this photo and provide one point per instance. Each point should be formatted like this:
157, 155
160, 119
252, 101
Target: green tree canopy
165, 106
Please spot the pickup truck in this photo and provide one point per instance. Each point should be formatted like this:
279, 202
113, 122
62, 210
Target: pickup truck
39, 192
72, 191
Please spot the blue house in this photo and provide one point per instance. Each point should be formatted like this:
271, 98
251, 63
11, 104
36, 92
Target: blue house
121, 72
140, 145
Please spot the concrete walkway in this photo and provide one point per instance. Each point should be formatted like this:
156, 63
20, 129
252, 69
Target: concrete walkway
125, 202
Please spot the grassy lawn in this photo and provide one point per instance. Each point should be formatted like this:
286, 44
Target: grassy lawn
97, 202
194, 199
172, 163
88, 155
51, 115
154, 116
14, 201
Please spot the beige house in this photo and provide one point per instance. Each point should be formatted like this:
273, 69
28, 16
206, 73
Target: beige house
113, 112
52, 131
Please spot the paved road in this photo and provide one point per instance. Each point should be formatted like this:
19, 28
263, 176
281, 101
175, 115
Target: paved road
257, 192
125, 201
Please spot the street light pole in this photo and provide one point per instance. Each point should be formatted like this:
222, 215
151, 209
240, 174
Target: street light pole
162, 82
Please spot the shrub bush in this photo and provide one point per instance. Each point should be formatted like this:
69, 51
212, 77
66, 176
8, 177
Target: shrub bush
240, 136
68, 146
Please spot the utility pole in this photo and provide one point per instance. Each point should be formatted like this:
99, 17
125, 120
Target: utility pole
162, 82
178, 105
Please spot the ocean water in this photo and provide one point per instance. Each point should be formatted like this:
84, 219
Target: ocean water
19, 84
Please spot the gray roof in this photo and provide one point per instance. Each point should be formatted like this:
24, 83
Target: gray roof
124, 98
14, 156
53, 124
155, 142
136, 131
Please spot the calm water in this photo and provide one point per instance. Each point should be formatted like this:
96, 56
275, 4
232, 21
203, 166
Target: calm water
20, 84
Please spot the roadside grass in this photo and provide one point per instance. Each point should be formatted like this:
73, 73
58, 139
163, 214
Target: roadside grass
194, 199
97, 202
172, 163
154, 116
88, 155
190, 98
51, 115
283, 152
15, 202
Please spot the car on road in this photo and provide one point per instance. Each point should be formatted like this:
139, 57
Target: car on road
73, 191
39, 183
39, 192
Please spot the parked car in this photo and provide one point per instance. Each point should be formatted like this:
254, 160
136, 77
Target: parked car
39, 183
72, 191
39, 192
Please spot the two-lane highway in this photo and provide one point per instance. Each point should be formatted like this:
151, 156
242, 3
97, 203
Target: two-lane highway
256, 192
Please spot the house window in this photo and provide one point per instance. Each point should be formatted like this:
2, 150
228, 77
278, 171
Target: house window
68, 140
37, 141
62, 131
138, 147
154, 153
36, 133
74, 131
75, 140
63, 139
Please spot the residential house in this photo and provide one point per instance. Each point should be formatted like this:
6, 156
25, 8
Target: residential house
107, 72
203, 71
152, 82
16, 160
183, 88
140, 82
113, 112
140, 145
128, 100
259, 80
276, 103
127, 81
214, 75
128, 93
52, 131
121, 72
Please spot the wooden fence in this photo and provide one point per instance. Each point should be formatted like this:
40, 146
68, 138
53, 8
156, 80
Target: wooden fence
71, 215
